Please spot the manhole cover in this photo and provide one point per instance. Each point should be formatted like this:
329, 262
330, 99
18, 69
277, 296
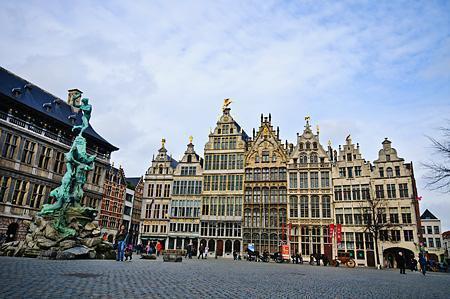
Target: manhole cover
82, 275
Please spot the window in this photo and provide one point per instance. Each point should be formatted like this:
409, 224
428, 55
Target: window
393, 215
313, 158
265, 174
395, 235
158, 190
342, 172
348, 215
324, 179
293, 206
350, 172
156, 211
391, 191
379, 191
293, 180
45, 156
304, 213
431, 242
28, 152
20, 192
365, 192
338, 193
429, 230
349, 157
357, 171
356, 192
58, 167
408, 234
314, 180
438, 242
389, 172
303, 159
9, 148
406, 215
326, 207
96, 175
347, 193
4, 182
282, 174
265, 156
397, 171
339, 213
166, 190
150, 190
357, 215
436, 230
403, 189
315, 208
381, 170
303, 180
37, 198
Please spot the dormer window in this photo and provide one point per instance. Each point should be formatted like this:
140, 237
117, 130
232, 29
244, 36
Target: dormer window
303, 159
189, 158
257, 159
314, 145
313, 158
388, 157
308, 145
381, 170
301, 146
265, 156
349, 157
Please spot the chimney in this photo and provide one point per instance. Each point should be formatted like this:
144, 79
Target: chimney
72, 94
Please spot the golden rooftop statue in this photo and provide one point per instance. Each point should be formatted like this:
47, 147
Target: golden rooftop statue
226, 103
318, 129
163, 141
190, 139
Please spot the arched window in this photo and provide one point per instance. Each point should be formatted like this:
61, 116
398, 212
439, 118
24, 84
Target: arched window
304, 207
256, 195
293, 206
308, 145
301, 145
314, 145
160, 169
389, 172
303, 159
313, 158
247, 217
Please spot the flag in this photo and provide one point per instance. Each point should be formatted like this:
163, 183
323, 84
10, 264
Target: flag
339, 233
419, 197
331, 231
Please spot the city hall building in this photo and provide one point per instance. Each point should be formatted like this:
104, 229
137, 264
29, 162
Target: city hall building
35, 132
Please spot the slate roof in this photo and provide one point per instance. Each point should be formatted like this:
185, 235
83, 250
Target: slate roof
133, 181
25, 93
428, 215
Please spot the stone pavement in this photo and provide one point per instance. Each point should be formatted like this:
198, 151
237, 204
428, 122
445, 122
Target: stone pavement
34, 278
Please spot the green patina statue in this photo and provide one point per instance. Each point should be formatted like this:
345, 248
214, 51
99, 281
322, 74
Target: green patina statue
68, 195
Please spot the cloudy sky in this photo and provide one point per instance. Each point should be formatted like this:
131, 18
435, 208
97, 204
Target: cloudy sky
373, 69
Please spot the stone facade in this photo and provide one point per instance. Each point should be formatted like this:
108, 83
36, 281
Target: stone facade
184, 226
432, 236
221, 218
310, 195
317, 200
265, 189
158, 182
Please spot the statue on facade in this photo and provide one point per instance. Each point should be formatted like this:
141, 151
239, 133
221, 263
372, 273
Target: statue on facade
69, 194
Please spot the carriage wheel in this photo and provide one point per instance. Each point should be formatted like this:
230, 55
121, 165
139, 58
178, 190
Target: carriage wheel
333, 263
351, 263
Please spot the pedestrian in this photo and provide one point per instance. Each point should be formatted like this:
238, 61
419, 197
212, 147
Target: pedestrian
200, 252
120, 240
158, 248
147, 248
401, 262
318, 259
206, 252
234, 255
423, 263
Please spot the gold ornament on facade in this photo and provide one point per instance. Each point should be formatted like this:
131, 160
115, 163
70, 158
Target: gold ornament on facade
163, 141
190, 139
226, 103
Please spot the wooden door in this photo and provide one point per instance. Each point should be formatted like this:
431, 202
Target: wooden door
370, 258
219, 248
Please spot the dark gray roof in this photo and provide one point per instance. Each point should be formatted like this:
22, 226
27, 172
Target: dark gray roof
133, 181
428, 215
25, 93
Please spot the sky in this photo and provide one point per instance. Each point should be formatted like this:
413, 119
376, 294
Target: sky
161, 69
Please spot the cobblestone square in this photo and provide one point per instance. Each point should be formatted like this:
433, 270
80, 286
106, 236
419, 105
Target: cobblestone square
34, 278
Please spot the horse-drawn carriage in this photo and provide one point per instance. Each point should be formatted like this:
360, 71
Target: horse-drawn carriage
345, 259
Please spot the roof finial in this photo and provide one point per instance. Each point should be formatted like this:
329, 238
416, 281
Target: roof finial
190, 139
163, 141
226, 103
318, 129
329, 142
307, 119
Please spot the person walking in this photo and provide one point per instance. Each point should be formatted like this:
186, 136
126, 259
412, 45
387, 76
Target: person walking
401, 262
206, 252
423, 263
120, 240
129, 252
158, 248
413, 264
200, 252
